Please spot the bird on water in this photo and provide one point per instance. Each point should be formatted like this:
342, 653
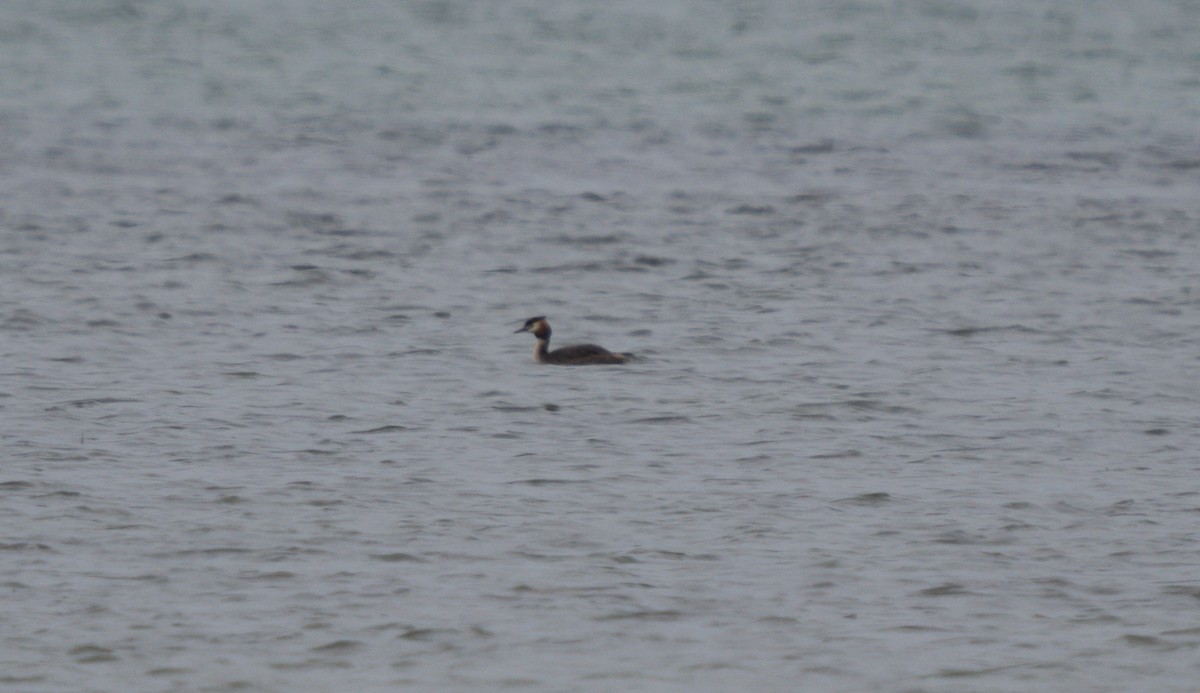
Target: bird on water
574, 355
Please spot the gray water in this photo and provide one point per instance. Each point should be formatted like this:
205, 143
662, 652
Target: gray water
914, 287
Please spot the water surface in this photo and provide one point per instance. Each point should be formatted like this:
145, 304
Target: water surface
913, 284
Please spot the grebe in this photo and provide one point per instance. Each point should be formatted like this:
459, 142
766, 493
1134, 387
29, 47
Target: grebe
576, 355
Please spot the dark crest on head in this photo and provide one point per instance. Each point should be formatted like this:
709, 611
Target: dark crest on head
531, 322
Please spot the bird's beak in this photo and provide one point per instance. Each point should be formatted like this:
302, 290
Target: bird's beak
523, 329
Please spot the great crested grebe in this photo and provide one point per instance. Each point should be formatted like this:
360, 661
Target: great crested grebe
575, 355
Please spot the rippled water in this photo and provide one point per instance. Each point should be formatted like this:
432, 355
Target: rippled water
913, 287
